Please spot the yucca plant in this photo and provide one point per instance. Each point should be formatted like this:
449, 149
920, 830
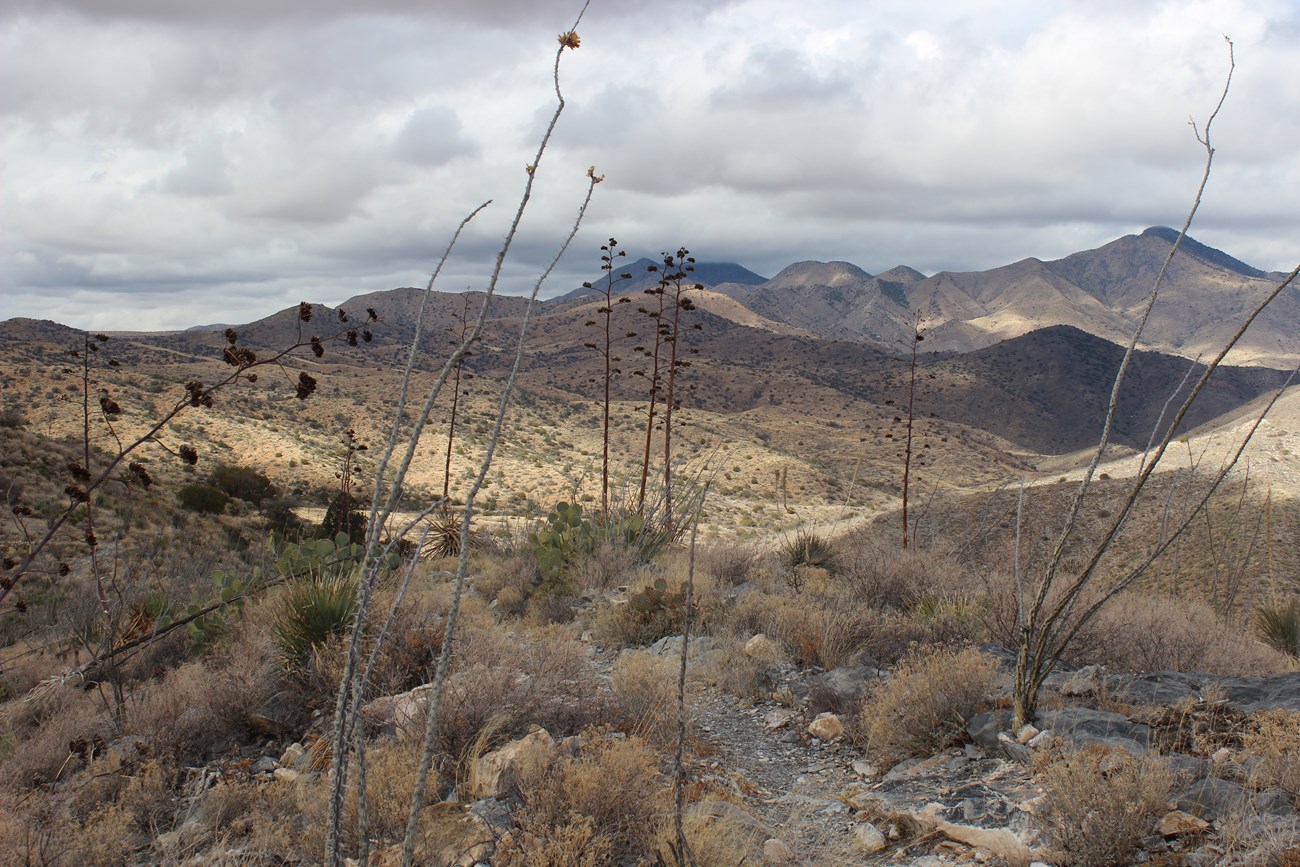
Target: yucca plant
313, 611
807, 549
1278, 625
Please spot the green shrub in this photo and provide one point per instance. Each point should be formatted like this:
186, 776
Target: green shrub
199, 497
1278, 625
342, 517
807, 549
312, 612
243, 483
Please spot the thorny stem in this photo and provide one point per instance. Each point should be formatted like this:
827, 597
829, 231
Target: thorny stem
1032, 666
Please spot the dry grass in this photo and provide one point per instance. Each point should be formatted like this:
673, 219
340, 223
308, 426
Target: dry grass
923, 705
1098, 803
613, 783
1272, 738
645, 695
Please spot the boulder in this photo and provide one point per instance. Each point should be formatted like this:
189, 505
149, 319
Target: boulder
777, 852
827, 727
1083, 726
763, 648
495, 774
1176, 823
868, 839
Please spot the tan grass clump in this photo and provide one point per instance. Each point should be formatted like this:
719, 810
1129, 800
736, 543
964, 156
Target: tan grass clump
613, 783
1272, 737
1099, 803
923, 705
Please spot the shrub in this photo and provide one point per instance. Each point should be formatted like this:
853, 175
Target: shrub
199, 497
615, 784
651, 613
342, 517
1272, 739
1278, 625
729, 563
312, 612
807, 549
1098, 803
243, 483
922, 707
645, 695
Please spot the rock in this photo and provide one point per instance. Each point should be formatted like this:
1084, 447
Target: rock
454, 836
1026, 734
777, 719
495, 813
264, 765
285, 775
863, 769
838, 688
1002, 842
725, 812
868, 839
1088, 680
1087, 726
984, 729
1041, 740
826, 726
1012, 748
763, 648
494, 775
293, 756
775, 851
1176, 823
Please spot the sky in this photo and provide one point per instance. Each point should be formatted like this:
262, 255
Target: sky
170, 163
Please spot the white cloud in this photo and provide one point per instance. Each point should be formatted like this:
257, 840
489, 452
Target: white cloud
165, 153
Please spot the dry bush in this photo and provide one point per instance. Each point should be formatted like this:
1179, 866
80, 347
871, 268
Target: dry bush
1099, 803
41, 727
814, 629
199, 711
1146, 631
1272, 738
730, 563
730, 668
881, 575
517, 569
609, 565
283, 820
614, 782
718, 835
514, 682
627, 623
575, 843
645, 695
923, 705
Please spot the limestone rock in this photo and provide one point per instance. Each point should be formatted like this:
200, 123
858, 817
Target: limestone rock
1026, 734
1178, 824
494, 775
777, 719
776, 852
826, 726
868, 839
762, 647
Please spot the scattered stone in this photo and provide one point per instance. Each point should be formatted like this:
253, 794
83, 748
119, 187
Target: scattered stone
868, 839
494, 775
1176, 823
1003, 842
863, 769
826, 726
293, 756
775, 852
285, 775
1041, 740
777, 719
1086, 681
1026, 734
463, 838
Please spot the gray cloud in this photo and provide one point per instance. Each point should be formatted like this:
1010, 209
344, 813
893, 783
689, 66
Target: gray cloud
159, 150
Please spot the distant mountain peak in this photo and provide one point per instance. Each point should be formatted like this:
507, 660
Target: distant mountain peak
1193, 247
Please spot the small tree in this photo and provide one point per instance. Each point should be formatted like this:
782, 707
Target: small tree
606, 349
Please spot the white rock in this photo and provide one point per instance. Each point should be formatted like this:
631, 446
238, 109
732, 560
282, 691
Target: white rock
826, 726
1026, 734
777, 719
762, 647
868, 839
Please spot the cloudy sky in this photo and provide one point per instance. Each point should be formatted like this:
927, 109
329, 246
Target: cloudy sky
175, 162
